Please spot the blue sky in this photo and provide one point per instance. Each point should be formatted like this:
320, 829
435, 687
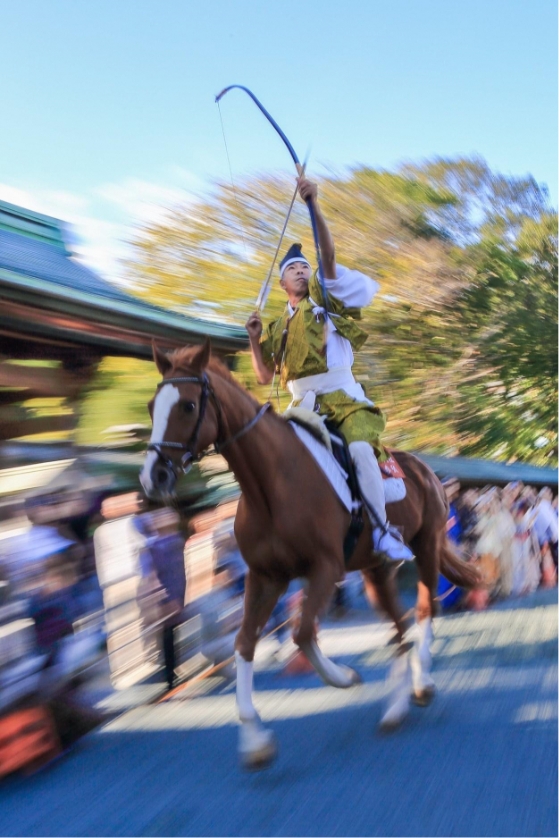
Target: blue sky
108, 106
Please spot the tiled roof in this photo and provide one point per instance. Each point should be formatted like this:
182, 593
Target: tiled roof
36, 266
29, 257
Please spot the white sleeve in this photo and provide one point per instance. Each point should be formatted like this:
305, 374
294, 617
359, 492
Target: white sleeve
352, 288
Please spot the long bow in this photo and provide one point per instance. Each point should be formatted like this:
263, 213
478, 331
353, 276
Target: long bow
300, 170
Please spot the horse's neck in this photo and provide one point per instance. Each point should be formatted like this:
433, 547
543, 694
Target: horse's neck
256, 456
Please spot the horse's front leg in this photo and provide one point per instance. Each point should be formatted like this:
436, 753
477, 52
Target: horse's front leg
257, 745
319, 592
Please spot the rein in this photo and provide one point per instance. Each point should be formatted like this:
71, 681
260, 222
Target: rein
189, 457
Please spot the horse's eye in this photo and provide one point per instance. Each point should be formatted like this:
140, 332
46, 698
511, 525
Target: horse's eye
188, 407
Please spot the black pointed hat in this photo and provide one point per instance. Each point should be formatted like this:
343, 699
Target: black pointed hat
293, 255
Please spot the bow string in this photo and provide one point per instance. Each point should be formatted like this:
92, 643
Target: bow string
300, 171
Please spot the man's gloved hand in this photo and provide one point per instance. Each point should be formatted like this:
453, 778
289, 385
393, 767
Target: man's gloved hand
254, 326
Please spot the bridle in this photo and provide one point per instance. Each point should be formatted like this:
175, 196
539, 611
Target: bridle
190, 456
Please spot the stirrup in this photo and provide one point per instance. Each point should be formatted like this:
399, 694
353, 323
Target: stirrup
388, 540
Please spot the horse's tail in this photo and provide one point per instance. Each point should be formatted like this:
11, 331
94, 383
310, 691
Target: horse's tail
456, 570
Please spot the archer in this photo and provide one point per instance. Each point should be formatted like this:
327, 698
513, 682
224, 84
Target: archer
311, 347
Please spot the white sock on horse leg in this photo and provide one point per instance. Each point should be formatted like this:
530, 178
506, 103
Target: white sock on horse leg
257, 745
420, 658
244, 689
332, 673
399, 686
369, 477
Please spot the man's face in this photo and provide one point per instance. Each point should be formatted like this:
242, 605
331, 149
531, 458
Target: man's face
295, 279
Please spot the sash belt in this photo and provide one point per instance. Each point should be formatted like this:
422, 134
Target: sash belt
340, 378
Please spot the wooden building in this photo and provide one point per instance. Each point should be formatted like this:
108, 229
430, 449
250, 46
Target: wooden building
53, 309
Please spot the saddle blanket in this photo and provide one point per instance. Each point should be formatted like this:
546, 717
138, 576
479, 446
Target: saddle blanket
394, 487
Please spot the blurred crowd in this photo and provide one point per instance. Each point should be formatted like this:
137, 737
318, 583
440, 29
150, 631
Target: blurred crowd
91, 583
88, 581
510, 532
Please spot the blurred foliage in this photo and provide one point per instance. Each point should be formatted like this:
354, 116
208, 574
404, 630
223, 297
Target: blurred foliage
462, 351
117, 396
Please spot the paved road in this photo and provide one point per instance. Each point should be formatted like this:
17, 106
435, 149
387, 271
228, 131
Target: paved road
482, 760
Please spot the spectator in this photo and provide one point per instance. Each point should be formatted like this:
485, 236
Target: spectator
453, 525
130, 589
52, 606
545, 523
505, 531
119, 541
166, 551
489, 542
449, 595
227, 554
526, 552
514, 490
221, 612
466, 506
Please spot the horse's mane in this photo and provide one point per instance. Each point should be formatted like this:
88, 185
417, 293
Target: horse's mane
182, 360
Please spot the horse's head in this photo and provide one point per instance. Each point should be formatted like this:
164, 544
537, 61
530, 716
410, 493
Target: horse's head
184, 419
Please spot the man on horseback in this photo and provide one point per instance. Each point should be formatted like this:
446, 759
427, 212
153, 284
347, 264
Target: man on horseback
311, 348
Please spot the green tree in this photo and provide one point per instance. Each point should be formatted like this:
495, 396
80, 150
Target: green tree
463, 331
509, 400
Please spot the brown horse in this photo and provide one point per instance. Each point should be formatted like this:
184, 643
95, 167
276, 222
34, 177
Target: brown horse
290, 524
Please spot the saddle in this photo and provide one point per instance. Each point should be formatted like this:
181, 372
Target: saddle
336, 443
329, 436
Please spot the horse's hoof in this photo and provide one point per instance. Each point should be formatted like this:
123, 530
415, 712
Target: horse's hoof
394, 716
350, 677
388, 723
424, 697
260, 759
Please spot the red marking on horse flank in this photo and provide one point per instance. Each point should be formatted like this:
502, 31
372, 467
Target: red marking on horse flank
391, 468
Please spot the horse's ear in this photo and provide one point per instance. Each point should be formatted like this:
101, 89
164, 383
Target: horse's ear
161, 359
201, 357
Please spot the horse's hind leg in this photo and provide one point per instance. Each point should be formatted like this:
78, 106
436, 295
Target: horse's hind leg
319, 592
381, 578
426, 549
257, 746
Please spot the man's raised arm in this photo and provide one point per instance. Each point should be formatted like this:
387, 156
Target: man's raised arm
309, 191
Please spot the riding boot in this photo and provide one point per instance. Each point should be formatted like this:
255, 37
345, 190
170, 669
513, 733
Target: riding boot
386, 539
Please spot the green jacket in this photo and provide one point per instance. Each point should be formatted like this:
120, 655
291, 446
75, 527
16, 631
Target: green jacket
304, 352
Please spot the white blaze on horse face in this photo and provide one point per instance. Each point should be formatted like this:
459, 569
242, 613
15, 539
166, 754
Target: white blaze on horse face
162, 406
